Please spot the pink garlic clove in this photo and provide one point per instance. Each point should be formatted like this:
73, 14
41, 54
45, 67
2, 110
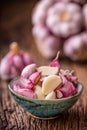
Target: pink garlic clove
24, 83
64, 80
73, 78
24, 92
28, 70
35, 77
68, 89
55, 62
68, 75
27, 83
22, 87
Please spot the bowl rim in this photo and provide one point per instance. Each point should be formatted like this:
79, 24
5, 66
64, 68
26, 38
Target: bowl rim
30, 99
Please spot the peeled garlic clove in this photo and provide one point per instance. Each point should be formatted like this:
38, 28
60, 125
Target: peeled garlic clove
47, 70
35, 77
38, 91
28, 70
59, 94
50, 96
50, 83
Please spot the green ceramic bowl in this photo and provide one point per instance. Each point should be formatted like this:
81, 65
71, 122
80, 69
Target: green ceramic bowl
46, 109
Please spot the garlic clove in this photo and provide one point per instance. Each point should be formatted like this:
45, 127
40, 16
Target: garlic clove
50, 83
38, 91
50, 96
35, 77
47, 70
28, 70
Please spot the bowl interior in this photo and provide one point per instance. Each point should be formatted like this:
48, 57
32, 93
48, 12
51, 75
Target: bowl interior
10, 86
45, 108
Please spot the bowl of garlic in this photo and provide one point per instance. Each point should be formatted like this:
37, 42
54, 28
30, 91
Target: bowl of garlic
46, 91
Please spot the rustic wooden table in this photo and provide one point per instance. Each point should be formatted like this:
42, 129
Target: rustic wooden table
15, 25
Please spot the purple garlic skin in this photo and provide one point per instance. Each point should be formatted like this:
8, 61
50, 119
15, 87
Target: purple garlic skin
76, 47
17, 86
44, 84
64, 19
85, 15
40, 34
68, 89
50, 45
76, 1
39, 14
69, 85
12, 64
57, 21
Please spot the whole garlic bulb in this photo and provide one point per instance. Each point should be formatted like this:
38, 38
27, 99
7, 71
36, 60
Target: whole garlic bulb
50, 45
58, 21
64, 19
12, 64
76, 47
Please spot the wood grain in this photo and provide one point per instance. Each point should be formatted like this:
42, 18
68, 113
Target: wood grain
16, 25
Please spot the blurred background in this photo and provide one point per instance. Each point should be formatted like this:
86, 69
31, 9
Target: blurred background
15, 19
15, 25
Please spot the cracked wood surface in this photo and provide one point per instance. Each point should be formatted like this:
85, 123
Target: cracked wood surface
15, 25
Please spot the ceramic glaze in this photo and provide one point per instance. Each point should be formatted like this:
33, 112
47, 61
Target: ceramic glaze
46, 109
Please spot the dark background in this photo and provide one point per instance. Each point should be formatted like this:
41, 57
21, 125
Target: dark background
16, 25
14, 16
